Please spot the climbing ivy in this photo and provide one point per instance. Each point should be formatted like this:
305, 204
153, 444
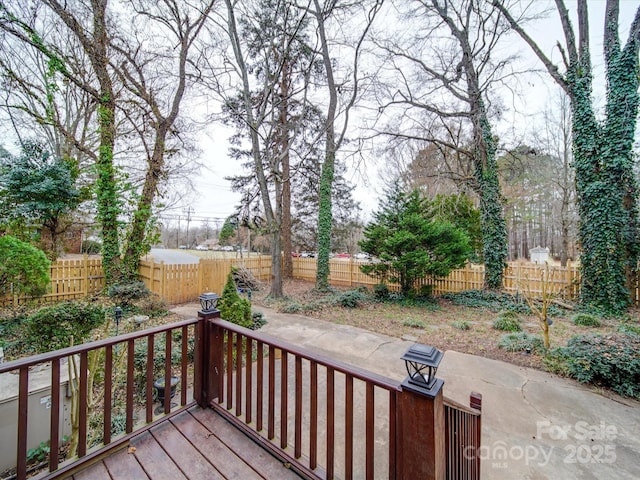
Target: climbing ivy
493, 226
324, 222
605, 182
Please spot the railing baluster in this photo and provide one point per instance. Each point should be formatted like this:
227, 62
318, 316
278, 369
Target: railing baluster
23, 413
149, 378
229, 345
238, 374
348, 447
130, 364
249, 380
54, 431
271, 394
108, 392
82, 407
330, 421
259, 385
392, 434
168, 347
184, 365
298, 414
313, 421
284, 405
370, 431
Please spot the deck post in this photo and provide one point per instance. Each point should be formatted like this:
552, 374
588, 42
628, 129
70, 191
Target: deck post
202, 363
420, 434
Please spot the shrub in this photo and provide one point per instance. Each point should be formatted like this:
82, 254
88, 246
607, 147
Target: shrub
521, 342
51, 328
461, 325
381, 292
258, 320
23, 268
629, 329
351, 298
233, 307
608, 360
414, 323
586, 320
507, 321
127, 292
291, 307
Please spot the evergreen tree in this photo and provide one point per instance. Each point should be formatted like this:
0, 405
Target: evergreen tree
409, 244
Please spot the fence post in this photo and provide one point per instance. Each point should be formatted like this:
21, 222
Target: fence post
420, 433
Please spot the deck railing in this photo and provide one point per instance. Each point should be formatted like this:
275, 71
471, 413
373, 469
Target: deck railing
329, 419
105, 376
326, 418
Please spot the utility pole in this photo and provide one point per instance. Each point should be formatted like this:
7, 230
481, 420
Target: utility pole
188, 212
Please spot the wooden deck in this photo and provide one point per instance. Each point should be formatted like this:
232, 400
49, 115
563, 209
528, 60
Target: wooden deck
196, 444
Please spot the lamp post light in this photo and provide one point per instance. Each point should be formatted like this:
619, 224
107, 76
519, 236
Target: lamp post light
208, 302
421, 362
117, 315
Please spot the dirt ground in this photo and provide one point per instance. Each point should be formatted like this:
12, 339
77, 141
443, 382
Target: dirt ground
433, 324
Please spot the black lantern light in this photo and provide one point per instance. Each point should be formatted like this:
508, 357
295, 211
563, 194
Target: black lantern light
422, 363
117, 315
208, 302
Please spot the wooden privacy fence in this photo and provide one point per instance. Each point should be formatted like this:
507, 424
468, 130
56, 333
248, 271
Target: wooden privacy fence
184, 283
70, 279
181, 283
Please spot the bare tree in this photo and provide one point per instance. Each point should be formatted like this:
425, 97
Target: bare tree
444, 73
157, 82
325, 13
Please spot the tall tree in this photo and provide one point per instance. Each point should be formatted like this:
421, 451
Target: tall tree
89, 27
272, 59
456, 74
156, 99
607, 193
326, 13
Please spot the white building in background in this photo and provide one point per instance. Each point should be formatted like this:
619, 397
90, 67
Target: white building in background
539, 254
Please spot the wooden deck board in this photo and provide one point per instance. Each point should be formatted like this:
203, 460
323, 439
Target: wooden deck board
228, 463
183, 454
97, 471
124, 466
259, 459
194, 445
154, 459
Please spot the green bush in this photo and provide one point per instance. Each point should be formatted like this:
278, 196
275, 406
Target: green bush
127, 292
381, 292
414, 323
258, 320
461, 325
629, 329
233, 307
54, 327
351, 298
507, 321
521, 342
608, 360
586, 320
23, 268
291, 307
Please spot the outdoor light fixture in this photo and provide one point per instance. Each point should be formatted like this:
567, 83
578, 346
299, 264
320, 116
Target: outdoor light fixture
422, 363
117, 315
208, 302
